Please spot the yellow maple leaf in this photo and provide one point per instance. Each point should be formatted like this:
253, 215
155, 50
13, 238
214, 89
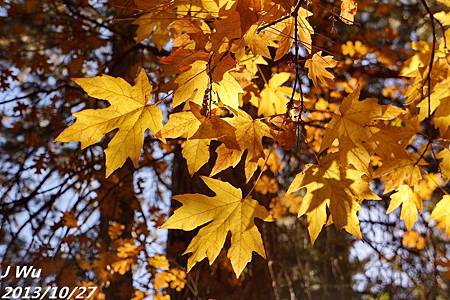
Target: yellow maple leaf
266, 185
390, 142
122, 266
443, 17
351, 124
426, 186
160, 14
354, 128
441, 119
196, 153
445, 2
327, 185
182, 124
348, 11
317, 69
161, 280
129, 112
410, 202
154, 24
274, 96
225, 212
287, 35
115, 230
441, 214
193, 84
173, 278
226, 158
257, 42
444, 166
179, 279
199, 130
127, 249
249, 135
416, 65
398, 171
440, 95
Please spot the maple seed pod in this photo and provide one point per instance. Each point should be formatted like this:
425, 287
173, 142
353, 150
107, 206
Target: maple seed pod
205, 103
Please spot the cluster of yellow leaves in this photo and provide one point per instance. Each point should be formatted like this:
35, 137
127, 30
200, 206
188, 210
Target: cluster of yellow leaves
163, 278
441, 214
432, 100
352, 48
339, 190
173, 278
279, 206
217, 49
413, 239
159, 262
127, 252
115, 230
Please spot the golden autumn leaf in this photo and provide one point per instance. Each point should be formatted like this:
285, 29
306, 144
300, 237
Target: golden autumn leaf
225, 212
398, 171
351, 124
441, 214
257, 42
351, 48
180, 125
199, 130
129, 111
122, 266
410, 202
274, 96
162, 280
440, 96
317, 69
193, 84
444, 166
196, 153
348, 11
328, 186
115, 230
443, 17
249, 135
287, 35
154, 25
226, 158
